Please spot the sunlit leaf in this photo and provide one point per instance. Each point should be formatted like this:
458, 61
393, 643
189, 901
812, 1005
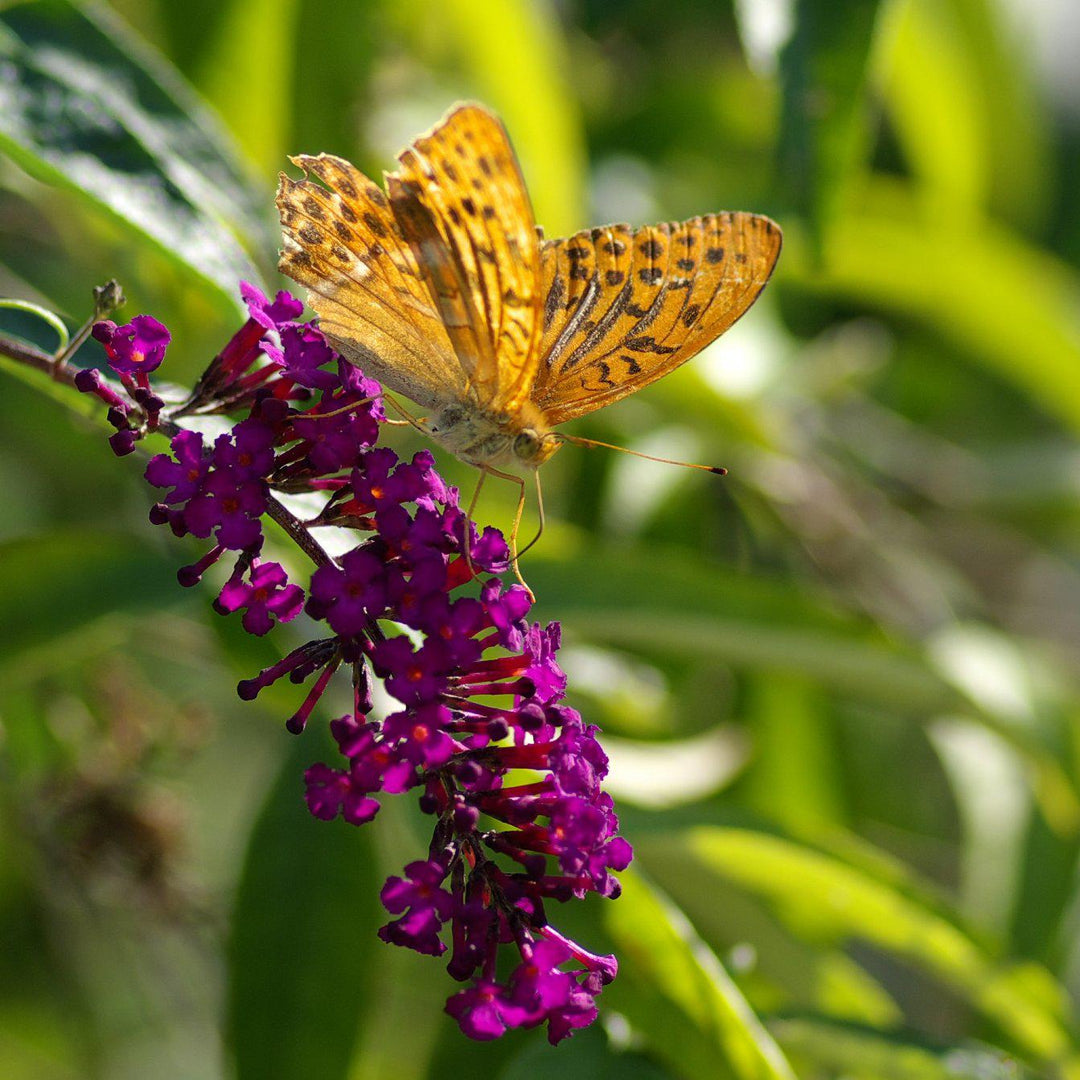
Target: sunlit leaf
514, 54
1009, 305
972, 134
822, 127
776, 968
678, 994
88, 107
832, 903
940, 120
247, 74
861, 1052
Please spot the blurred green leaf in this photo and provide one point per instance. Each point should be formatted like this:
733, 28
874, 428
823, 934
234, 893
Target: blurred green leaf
515, 55
971, 133
830, 902
865, 1054
57, 585
822, 124
939, 120
254, 46
1010, 305
303, 934
586, 1056
45, 315
667, 966
88, 107
348, 41
667, 602
782, 970
1045, 892
795, 776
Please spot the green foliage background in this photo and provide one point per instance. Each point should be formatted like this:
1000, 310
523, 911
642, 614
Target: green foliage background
840, 686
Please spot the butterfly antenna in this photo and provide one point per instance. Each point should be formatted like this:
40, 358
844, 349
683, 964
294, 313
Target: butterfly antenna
577, 440
540, 509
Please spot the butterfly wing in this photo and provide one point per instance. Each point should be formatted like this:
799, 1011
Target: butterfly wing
341, 240
624, 307
462, 204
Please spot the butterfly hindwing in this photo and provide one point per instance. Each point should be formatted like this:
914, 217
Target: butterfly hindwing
462, 203
342, 242
622, 308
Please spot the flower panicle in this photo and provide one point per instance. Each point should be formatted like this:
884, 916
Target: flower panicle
511, 775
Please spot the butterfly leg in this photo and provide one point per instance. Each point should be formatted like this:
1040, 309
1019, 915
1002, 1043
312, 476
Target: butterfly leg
540, 510
520, 481
469, 521
410, 420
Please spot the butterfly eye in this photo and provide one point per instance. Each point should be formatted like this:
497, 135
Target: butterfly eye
527, 445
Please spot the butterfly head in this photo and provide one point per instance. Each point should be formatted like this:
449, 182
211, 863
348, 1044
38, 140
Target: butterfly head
533, 448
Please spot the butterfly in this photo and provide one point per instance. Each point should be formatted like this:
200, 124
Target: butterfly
443, 289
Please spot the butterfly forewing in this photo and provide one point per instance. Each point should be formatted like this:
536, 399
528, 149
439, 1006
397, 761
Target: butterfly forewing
473, 228
343, 243
623, 308
442, 289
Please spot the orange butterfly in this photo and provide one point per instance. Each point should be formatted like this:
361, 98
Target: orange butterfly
444, 290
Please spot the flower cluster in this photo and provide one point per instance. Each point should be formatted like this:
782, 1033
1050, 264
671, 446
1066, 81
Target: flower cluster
511, 775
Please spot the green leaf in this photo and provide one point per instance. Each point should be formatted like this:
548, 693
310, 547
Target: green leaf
822, 129
939, 121
587, 1054
54, 586
664, 602
247, 74
677, 993
830, 902
795, 776
514, 55
45, 315
1008, 304
972, 134
88, 107
860, 1052
303, 934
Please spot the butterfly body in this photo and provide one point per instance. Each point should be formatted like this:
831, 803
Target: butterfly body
482, 438
442, 288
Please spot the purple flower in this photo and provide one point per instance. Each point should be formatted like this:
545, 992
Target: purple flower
510, 776
271, 315
248, 452
135, 349
330, 793
228, 507
303, 353
265, 597
484, 1011
184, 472
426, 905
421, 734
348, 595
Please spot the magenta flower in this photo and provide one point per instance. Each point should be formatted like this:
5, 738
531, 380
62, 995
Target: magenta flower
273, 314
266, 597
510, 776
135, 349
184, 472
